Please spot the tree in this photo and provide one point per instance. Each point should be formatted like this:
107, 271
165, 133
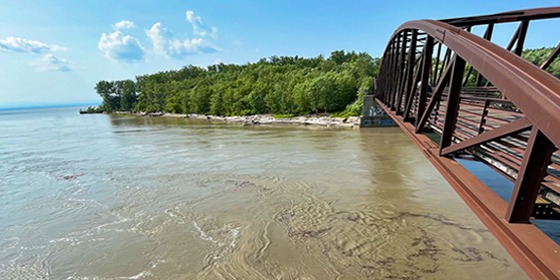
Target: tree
111, 100
127, 91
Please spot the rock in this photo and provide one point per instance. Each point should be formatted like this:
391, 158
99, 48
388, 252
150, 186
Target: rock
156, 114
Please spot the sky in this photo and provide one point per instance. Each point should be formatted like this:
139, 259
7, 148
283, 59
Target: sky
56, 51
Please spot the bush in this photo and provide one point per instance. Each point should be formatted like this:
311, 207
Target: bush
92, 110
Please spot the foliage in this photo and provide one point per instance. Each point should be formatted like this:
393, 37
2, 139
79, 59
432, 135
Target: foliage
281, 85
538, 56
92, 110
117, 95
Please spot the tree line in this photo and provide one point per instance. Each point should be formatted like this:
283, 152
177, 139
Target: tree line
282, 85
277, 85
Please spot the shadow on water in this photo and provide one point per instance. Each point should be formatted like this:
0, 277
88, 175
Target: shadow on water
390, 161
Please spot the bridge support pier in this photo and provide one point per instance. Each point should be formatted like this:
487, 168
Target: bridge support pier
373, 115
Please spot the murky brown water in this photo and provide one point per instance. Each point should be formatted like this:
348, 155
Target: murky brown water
94, 197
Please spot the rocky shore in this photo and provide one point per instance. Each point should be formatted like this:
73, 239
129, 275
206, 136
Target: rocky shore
326, 121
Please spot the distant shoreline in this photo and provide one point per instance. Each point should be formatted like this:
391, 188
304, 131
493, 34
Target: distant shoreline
44, 106
263, 119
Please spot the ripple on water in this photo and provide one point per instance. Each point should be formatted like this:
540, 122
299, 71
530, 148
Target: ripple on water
173, 206
283, 225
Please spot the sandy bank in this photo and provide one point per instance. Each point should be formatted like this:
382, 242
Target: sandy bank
350, 122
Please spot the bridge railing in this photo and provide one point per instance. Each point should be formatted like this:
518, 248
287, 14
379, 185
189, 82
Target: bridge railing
477, 99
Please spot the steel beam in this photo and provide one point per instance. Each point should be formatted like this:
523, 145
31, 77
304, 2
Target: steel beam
483, 116
550, 58
406, 92
529, 14
511, 74
435, 72
394, 71
523, 27
412, 93
500, 132
452, 103
435, 99
402, 72
488, 36
426, 69
533, 168
514, 38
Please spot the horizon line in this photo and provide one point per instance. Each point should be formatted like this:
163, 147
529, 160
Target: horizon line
38, 105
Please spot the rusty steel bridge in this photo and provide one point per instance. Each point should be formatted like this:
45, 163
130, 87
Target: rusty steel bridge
460, 96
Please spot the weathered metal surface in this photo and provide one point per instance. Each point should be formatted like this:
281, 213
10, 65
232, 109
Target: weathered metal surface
530, 14
490, 123
426, 68
513, 75
452, 103
435, 98
531, 174
502, 131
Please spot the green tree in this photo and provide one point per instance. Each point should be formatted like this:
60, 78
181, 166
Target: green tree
127, 91
109, 94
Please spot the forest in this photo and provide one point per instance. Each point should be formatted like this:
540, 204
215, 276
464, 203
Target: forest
280, 85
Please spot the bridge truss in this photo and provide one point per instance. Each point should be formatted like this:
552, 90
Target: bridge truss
460, 96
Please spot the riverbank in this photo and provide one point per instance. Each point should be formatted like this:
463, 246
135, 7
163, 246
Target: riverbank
253, 120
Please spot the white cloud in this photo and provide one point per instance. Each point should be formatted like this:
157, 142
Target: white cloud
13, 44
124, 24
214, 33
164, 43
122, 47
159, 35
49, 62
199, 28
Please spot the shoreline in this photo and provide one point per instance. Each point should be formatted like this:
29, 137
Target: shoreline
263, 119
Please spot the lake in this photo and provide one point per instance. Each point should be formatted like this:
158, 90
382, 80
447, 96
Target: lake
120, 197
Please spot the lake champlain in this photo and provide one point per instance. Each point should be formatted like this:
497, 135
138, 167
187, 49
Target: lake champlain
119, 197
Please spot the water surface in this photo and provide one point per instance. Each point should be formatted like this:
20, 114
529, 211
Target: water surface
115, 197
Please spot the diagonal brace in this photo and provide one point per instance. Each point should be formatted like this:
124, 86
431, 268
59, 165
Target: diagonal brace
436, 96
500, 132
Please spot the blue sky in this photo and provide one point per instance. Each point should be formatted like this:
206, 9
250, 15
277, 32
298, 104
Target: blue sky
55, 51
